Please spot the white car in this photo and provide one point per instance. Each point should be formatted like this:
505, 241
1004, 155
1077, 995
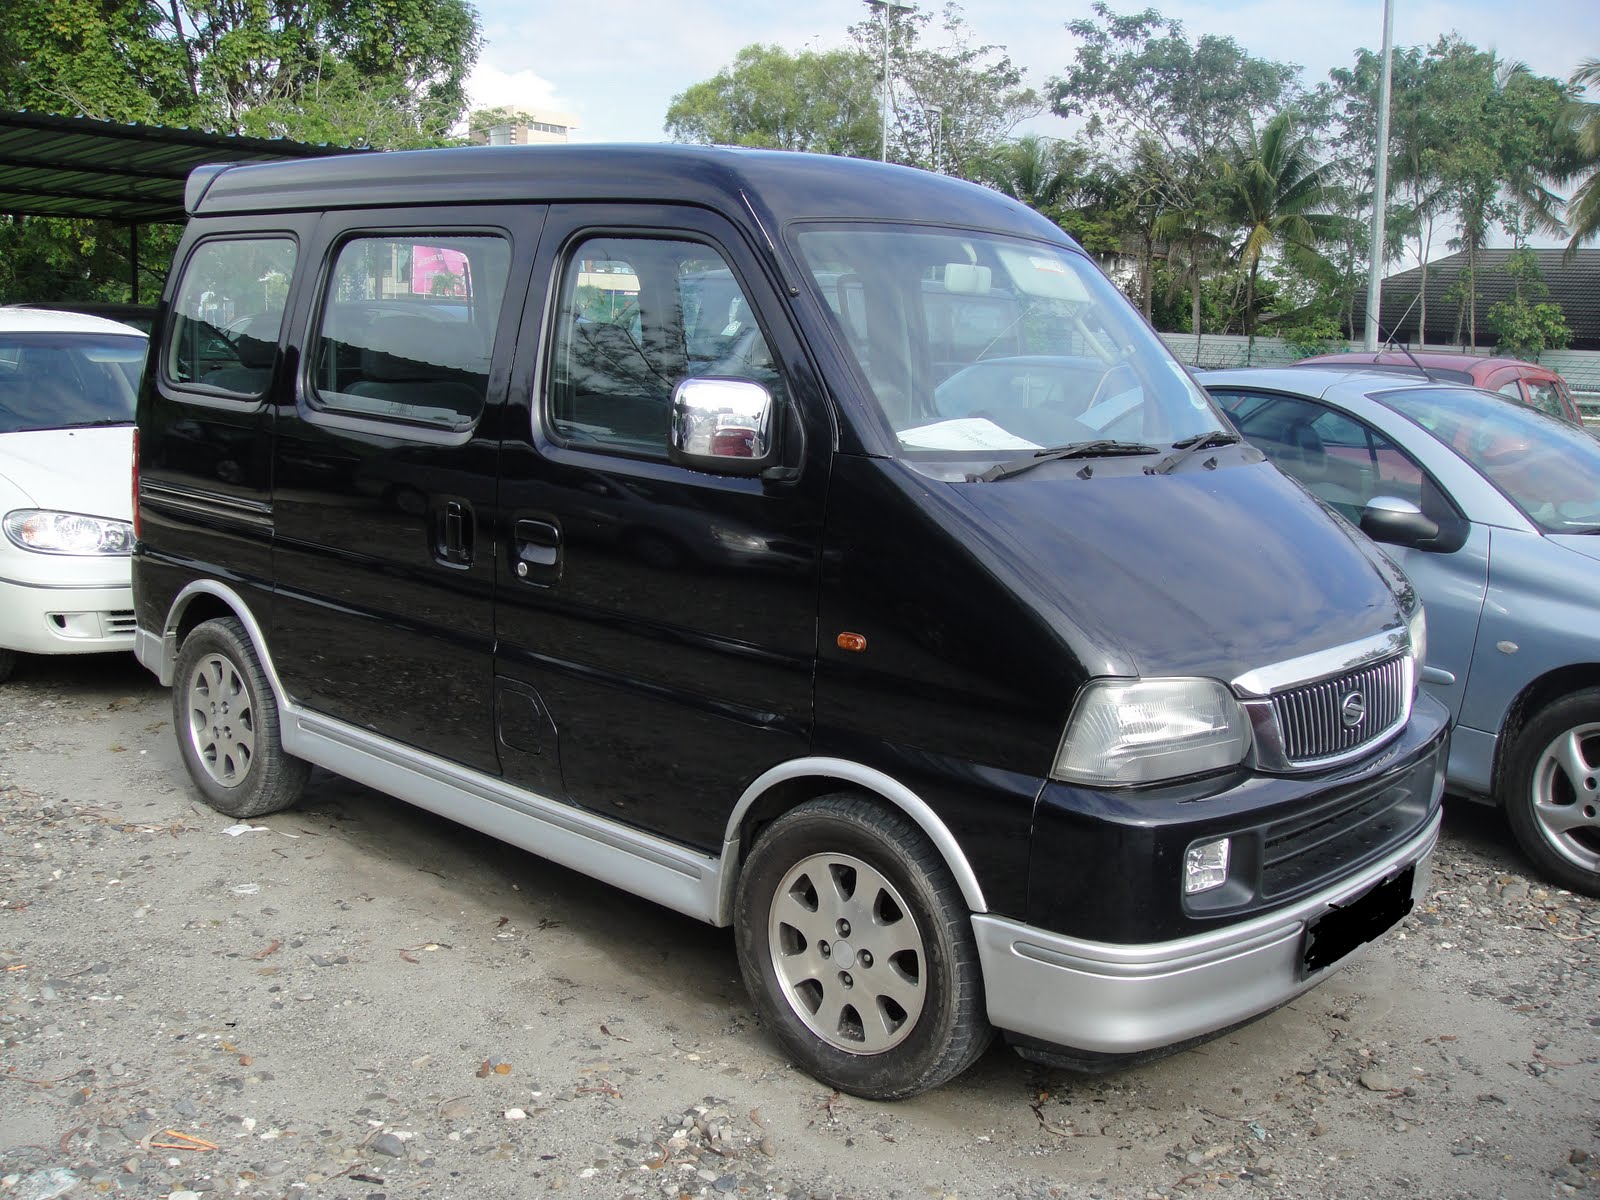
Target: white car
67, 387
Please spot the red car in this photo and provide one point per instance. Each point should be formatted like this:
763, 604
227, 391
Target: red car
1533, 385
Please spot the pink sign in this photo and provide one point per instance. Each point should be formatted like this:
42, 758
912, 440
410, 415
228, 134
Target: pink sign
436, 271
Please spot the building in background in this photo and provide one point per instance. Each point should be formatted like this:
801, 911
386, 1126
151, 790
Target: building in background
531, 127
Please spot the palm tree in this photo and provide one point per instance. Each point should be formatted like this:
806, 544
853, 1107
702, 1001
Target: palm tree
1583, 209
1044, 173
1274, 194
1194, 249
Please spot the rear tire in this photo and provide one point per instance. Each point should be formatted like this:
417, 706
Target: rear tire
226, 720
1550, 790
857, 946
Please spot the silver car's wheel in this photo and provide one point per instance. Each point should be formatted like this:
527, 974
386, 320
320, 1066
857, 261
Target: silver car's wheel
1566, 798
222, 721
1551, 789
847, 953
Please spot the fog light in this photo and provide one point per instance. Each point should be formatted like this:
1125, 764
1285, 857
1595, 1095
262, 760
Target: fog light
1205, 866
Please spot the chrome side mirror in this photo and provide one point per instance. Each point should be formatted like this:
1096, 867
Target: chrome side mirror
723, 425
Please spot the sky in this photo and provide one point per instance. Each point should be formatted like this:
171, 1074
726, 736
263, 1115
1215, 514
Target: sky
617, 67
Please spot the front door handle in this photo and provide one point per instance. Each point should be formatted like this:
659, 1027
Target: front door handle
536, 552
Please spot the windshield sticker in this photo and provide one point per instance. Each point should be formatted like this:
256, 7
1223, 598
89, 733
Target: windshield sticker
964, 433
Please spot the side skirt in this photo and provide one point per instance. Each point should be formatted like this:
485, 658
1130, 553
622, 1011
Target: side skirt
637, 862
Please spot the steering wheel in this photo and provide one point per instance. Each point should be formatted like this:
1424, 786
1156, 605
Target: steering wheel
1099, 387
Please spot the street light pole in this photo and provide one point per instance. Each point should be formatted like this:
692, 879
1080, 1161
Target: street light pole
1380, 185
887, 7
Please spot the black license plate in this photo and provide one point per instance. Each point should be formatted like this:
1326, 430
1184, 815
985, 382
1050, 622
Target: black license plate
1342, 928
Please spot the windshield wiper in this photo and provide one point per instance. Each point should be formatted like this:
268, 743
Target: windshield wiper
1193, 445
1102, 448
103, 421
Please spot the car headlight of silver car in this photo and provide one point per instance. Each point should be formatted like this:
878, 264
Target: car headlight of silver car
1134, 731
48, 532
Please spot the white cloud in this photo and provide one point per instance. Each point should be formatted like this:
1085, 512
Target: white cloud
491, 87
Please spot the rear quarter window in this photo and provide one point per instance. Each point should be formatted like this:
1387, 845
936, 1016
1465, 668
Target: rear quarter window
227, 314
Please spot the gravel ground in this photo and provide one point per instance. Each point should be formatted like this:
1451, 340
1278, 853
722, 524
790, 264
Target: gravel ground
355, 999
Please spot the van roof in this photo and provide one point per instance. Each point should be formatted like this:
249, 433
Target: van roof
781, 185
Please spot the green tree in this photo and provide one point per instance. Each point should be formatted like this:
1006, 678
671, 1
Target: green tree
1501, 138
951, 102
1275, 196
824, 102
350, 72
1167, 108
108, 59
1416, 131
1525, 322
1196, 248
1583, 119
387, 74
1047, 174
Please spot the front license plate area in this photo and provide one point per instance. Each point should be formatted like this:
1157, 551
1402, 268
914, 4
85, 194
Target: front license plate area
1342, 928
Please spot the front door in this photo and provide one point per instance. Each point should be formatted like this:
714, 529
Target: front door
657, 623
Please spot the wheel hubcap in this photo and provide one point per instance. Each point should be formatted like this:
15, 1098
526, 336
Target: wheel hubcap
847, 953
1566, 801
222, 725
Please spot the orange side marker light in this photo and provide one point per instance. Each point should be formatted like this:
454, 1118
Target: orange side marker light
854, 642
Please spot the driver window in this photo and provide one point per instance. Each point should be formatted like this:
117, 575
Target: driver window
1338, 459
227, 314
636, 317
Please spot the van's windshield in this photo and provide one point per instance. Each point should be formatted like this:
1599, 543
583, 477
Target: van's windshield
982, 347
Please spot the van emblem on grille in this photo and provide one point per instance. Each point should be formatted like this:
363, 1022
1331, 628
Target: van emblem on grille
1352, 709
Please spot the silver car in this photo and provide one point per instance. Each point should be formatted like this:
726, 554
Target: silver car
1493, 510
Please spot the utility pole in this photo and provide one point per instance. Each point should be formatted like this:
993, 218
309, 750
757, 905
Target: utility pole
887, 7
1380, 187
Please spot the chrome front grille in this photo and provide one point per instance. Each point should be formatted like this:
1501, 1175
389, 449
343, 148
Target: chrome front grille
1335, 718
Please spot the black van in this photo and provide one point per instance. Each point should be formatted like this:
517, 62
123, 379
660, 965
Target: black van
812, 546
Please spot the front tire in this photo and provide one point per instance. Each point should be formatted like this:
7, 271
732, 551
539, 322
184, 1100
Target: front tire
1551, 796
857, 947
226, 720
8, 664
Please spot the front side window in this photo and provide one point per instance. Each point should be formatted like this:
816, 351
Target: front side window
1548, 468
977, 346
407, 328
636, 317
228, 313
1340, 460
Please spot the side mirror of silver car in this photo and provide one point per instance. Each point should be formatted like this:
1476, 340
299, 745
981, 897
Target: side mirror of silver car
1398, 522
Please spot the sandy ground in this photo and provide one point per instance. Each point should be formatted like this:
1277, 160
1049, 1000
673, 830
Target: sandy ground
361, 1000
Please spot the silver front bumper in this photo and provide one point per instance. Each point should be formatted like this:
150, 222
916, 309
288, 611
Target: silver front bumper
1110, 999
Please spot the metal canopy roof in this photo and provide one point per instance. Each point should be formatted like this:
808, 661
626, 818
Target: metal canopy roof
53, 166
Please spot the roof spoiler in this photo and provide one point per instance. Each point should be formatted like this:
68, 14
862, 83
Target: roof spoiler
200, 180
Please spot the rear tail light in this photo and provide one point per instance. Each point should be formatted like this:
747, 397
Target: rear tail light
136, 485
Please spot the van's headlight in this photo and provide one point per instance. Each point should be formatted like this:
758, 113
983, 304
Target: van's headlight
1417, 631
1127, 731
67, 533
